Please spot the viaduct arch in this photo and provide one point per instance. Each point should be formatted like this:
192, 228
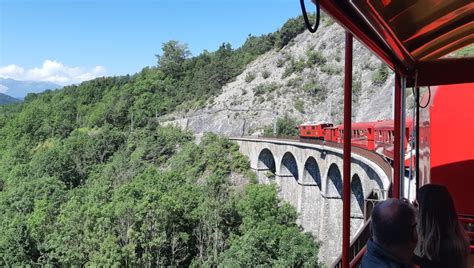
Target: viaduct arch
309, 177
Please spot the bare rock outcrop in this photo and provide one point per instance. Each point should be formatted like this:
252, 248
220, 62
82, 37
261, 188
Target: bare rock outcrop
304, 80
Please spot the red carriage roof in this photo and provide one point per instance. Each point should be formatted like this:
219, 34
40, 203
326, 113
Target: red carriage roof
363, 125
413, 35
390, 123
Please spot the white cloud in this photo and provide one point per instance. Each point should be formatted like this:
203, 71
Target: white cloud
11, 71
3, 89
52, 71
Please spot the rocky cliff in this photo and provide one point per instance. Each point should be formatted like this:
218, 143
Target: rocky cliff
304, 80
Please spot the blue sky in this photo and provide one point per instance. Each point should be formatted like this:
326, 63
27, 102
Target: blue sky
88, 38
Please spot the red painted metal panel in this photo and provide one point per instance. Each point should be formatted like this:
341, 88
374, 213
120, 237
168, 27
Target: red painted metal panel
452, 157
358, 258
397, 145
346, 175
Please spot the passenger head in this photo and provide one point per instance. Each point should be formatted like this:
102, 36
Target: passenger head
438, 224
394, 224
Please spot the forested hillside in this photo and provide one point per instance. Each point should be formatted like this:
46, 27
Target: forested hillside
88, 177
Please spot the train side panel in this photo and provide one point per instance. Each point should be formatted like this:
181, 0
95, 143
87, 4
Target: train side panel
451, 153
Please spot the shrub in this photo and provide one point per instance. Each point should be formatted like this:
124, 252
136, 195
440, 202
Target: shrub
265, 88
327, 21
294, 67
316, 89
283, 59
315, 58
290, 30
266, 74
294, 82
312, 87
357, 86
285, 126
380, 75
249, 77
322, 46
270, 175
331, 69
299, 106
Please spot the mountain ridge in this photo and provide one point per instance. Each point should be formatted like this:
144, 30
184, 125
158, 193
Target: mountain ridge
20, 88
6, 99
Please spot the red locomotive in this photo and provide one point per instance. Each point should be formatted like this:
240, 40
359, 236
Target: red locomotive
313, 130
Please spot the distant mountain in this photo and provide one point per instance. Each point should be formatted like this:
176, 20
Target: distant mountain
5, 99
19, 89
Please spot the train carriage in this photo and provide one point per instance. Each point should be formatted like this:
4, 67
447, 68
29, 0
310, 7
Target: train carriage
331, 134
385, 140
363, 135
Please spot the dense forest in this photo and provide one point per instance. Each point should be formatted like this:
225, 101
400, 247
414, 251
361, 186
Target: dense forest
88, 177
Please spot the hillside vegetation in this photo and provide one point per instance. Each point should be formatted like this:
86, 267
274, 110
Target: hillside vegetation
88, 177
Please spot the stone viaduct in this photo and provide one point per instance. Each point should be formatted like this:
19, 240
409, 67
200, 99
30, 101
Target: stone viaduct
309, 177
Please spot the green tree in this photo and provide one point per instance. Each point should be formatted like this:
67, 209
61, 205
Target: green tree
173, 57
285, 126
79, 187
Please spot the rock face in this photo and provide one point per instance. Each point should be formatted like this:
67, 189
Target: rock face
303, 80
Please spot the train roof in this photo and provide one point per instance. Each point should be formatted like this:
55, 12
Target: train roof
363, 125
359, 125
375, 124
315, 123
390, 123
413, 36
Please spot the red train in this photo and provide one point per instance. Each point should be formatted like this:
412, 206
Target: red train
375, 136
313, 130
446, 140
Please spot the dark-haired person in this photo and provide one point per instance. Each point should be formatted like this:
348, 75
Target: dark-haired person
394, 236
442, 240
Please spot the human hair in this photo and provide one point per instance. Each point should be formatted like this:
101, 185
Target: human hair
393, 221
441, 236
